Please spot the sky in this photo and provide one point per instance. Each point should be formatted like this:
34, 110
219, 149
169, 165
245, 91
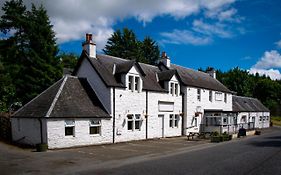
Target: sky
194, 33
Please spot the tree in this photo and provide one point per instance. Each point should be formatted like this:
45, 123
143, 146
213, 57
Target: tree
150, 51
68, 60
29, 51
125, 45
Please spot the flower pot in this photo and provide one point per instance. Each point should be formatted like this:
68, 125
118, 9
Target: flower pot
41, 147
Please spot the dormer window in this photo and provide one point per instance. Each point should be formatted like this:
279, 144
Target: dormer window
174, 88
134, 83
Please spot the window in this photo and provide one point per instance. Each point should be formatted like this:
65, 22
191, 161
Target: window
260, 118
210, 96
69, 127
225, 120
267, 118
225, 97
137, 79
174, 120
95, 127
176, 89
199, 94
177, 120
137, 122
134, 122
130, 122
171, 88
171, 121
130, 83
134, 83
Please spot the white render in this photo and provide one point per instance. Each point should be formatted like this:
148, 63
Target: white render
193, 105
102, 91
82, 137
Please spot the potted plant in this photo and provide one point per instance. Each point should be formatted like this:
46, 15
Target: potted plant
41, 147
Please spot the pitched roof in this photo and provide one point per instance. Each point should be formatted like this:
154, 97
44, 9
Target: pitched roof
247, 104
194, 78
69, 97
104, 66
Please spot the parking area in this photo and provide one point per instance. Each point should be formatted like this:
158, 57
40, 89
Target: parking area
14, 160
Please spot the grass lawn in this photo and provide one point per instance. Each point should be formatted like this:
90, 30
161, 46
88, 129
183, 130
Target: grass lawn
276, 120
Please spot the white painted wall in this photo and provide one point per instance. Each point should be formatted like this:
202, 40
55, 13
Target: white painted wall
154, 129
57, 138
191, 105
102, 91
27, 130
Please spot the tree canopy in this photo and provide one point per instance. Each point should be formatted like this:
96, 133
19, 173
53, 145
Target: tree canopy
125, 44
28, 53
261, 87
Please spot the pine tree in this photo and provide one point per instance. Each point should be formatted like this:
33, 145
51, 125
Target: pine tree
29, 51
125, 45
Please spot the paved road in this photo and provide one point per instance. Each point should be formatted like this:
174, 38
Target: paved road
250, 155
253, 155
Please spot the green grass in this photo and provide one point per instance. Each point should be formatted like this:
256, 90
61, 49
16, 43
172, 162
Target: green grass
276, 120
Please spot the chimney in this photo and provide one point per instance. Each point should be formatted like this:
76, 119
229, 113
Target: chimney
212, 72
89, 46
165, 59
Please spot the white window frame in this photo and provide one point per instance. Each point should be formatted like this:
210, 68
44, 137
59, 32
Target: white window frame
135, 118
218, 96
198, 94
174, 120
93, 124
176, 89
225, 97
134, 83
69, 125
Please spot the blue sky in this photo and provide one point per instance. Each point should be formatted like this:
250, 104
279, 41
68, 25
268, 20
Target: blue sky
194, 33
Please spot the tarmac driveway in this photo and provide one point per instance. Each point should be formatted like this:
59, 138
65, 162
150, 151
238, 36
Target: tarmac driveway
14, 160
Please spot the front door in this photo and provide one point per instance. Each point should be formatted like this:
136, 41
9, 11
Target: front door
161, 125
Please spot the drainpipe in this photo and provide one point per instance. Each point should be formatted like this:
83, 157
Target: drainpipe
146, 117
182, 117
113, 130
41, 130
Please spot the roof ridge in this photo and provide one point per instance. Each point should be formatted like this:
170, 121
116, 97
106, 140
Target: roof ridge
56, 97
37, 96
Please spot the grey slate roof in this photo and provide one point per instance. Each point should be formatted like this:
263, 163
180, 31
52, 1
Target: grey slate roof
247, 104
70, 97
199, 79
104, 66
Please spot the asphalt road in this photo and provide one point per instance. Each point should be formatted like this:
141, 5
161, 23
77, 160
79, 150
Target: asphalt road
251, 155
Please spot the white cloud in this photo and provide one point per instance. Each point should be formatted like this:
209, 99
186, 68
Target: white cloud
185, 37
217, 29
270, 59
274, 74
73, 18
268, 65
278, 44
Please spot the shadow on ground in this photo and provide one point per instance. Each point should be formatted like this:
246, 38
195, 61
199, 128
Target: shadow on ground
269, 142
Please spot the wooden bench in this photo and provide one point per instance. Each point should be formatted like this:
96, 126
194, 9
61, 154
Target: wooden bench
192, 134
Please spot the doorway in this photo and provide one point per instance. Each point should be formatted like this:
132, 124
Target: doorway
161, 125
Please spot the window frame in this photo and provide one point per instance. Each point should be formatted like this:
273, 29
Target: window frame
225, 97
95, 125
135, 118
72, 126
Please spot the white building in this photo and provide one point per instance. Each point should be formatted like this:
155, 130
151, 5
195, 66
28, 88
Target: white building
113, 100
